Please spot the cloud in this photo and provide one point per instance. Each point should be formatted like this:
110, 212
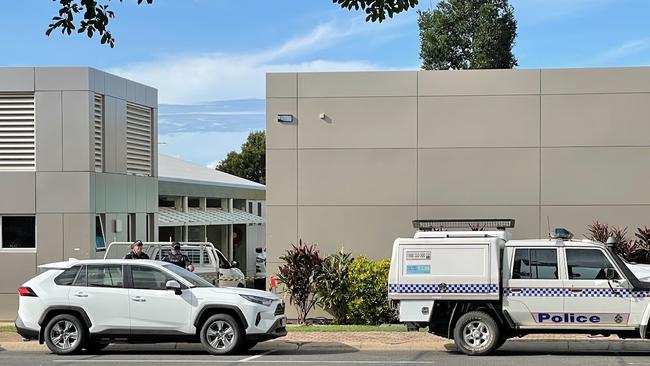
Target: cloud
620, 55
190, 79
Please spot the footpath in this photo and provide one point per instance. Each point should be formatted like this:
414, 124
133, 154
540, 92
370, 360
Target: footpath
314, 342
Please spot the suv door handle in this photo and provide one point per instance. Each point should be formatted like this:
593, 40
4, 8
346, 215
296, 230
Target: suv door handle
138, 299
80, 294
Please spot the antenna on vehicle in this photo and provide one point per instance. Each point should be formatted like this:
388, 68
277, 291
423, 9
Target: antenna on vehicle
548, 222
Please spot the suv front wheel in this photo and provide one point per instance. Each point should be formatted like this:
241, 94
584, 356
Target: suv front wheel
65, 334
221, 334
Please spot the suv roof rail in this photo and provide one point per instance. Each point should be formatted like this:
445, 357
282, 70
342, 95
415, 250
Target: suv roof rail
463, 224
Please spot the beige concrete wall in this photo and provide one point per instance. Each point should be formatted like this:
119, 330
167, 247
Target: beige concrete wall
369, 152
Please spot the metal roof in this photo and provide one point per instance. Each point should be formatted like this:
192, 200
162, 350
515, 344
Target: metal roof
171, 169
168, 216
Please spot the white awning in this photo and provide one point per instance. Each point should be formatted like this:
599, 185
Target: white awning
168, 216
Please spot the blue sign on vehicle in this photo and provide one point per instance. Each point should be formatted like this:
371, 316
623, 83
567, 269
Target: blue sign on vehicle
418, 269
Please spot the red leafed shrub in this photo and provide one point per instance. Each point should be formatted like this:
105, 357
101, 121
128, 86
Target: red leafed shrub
299, 274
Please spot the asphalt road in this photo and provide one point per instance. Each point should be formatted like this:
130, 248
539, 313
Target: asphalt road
519, 354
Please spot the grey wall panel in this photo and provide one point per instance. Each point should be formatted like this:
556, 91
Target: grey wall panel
115, 86
478, 82
389, 122
527, 221
21, 266
130, 91
281, 231
596, 80
357, 84
17, 190
478, 176
131, 204
280, 135
62, 78
112, 233
8, 306
100, 192
97, 79
49, 233
78, 236
357, 177
154, 143
592, 176
17, 79
596, 120
282, 85
488, 121
66, 192
116, 193
49, 131
140, 93
281, 177
152, 195
77, 117
120, 137
577, 218
141, 187
151, 97
368, 230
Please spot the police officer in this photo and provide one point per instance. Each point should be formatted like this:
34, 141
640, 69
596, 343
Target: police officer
136, 251
179, 258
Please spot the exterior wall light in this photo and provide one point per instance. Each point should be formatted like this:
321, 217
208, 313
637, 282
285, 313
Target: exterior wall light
285, 118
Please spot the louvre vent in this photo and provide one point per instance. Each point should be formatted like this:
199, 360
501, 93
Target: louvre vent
138, 139
98, 117
17, 132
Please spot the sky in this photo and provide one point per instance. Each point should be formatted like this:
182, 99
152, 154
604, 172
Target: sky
208, 58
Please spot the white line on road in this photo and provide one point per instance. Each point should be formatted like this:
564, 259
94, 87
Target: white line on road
345, 362
247, 359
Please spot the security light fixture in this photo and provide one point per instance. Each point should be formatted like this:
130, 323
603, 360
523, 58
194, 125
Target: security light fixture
285, 118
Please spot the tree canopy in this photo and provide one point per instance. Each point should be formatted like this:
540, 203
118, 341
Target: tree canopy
95, 15
250, 163
468, 34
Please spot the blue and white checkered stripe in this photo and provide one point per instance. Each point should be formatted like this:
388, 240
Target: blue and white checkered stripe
586, 292
447, 289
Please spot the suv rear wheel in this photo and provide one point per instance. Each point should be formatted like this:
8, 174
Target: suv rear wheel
221, 334
476, 333
65, 334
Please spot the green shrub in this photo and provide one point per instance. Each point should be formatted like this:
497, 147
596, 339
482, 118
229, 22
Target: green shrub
333, 287
369, 292
299, 274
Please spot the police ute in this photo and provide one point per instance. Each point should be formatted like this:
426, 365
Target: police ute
467, 280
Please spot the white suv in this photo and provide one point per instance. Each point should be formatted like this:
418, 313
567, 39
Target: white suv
87, 304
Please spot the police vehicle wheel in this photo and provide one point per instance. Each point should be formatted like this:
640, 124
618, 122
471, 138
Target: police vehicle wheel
221, 335
65, 334
476, 334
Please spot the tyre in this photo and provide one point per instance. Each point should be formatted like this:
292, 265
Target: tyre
65, 334
95, 346
221, 335
476, 333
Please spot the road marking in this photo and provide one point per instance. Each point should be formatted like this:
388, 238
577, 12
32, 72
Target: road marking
345, 362
247, 359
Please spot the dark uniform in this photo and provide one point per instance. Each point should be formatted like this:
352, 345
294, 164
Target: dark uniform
132, 255
178, 259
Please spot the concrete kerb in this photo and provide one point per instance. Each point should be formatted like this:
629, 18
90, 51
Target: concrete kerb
327, 345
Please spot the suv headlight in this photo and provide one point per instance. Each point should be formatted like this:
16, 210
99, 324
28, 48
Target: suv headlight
258, 300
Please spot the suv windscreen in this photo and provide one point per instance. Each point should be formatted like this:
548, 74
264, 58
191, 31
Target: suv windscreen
587, 264
188, 276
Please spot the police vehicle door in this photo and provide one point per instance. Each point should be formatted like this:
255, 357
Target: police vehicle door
593, 300
533, 286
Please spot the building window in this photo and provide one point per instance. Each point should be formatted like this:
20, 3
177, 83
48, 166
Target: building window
213, 202
167, 202
250, 207
18, 232
150, 227
130, 227
193, 202
100, 236
259, 209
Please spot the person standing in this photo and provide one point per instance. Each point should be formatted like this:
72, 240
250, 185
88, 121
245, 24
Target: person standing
179, 258
136, 251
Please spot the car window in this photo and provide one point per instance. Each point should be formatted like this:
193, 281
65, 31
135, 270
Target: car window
223, 261
535, 264
148, 278
105, 275
587, 264
67, 277
188, 276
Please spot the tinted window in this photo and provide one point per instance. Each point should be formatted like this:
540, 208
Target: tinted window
587, 264
105, 276
190, 277
149, 278
535, 264
67, 277
82, 279
18, 232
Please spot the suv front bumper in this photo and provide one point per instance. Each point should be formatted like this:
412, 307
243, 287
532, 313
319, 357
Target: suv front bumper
278, 329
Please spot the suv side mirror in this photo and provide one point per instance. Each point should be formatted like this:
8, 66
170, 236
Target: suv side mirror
174, 285
234, 264
610, 274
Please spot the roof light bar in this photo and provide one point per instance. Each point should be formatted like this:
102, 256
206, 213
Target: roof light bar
464, 224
